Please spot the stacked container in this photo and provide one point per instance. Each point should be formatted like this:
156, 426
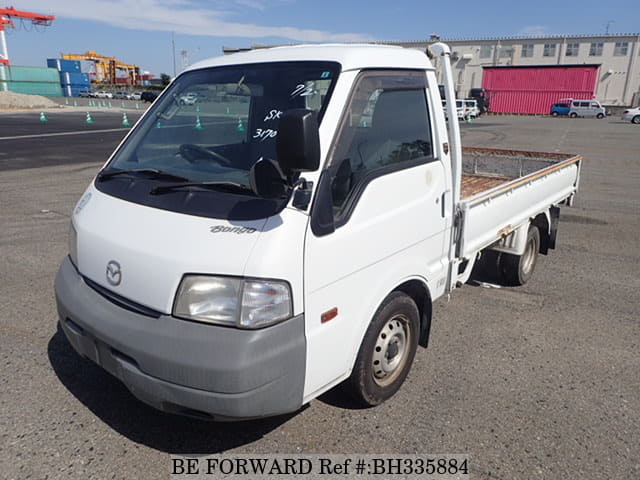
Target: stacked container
72, 77
30, 80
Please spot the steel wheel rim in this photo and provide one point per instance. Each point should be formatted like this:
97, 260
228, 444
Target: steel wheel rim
529, 256
391, 350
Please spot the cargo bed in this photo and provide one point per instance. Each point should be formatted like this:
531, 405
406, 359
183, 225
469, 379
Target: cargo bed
502, 189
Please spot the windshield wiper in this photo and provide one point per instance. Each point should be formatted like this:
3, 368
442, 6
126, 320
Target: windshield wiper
222, 186
151, 172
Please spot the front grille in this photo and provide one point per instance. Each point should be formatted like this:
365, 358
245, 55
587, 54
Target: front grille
122, 301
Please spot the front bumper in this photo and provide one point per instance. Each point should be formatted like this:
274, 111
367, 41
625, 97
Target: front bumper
185, 367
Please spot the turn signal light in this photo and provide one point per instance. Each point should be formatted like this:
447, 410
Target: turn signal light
329, 315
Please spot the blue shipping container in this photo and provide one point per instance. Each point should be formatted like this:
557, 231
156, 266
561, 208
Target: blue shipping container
71, 78
74, 90
64, 65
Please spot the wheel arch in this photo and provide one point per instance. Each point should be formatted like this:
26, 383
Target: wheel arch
418, 291
542, 222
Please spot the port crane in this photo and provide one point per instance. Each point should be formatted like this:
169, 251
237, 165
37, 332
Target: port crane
6, 16
106, 67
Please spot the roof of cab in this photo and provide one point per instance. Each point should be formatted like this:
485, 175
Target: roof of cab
350, 56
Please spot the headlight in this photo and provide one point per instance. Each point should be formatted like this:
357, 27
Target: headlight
244, 303
73, 244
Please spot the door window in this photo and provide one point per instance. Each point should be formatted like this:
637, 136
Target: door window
386, 128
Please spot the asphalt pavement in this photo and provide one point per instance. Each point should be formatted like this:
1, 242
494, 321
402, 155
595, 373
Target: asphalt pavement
532, 382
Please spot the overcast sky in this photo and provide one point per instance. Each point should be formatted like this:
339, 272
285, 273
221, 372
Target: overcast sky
141, 31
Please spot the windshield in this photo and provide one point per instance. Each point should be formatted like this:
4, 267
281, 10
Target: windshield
212, 125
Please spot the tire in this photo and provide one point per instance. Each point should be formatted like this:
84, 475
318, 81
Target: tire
518, 269
573, 115
600, 116
636, 120
554, 114
387, 351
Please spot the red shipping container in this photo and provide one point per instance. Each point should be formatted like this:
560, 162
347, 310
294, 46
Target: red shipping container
534, 89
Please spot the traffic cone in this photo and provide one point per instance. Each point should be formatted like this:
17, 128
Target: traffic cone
198, 124
240, 126
89, 119
43, 117
66, 101
110, 105
125, 120
122, 105
75, 103
137, 106
469, 119
158, 125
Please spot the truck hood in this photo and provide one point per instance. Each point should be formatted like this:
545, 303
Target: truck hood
141, 253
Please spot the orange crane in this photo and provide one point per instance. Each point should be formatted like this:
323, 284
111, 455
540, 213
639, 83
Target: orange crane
5, 20
106, 67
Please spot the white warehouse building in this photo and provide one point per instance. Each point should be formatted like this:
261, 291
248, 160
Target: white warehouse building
527, 74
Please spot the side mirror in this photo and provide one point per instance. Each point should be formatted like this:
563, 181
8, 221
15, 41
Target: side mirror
298, 141
267, 180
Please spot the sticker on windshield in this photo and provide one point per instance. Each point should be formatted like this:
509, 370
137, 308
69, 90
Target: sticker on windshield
303, 90
264, 134
273, 115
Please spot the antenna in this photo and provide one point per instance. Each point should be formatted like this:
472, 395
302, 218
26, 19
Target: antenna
185, 58
608, 24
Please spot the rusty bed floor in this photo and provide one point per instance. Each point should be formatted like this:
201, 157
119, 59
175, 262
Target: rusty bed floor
474, 184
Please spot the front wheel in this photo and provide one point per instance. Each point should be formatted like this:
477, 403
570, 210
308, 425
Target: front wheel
636, 120
554, 114
573, 115
518, 269
386, 352
600, 116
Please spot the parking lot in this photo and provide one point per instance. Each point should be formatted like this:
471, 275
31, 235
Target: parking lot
539, 381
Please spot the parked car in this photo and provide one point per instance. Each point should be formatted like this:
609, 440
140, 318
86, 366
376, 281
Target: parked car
190, 98
103, 94
120, 95
632, 115
463, 112
482, 97
86, 93
149, 96
587, 108
561, 108
134, 96
471, 107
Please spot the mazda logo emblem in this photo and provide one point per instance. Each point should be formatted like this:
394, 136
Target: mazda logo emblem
114, 273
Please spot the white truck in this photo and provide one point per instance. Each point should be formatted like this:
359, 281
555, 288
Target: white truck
290, 230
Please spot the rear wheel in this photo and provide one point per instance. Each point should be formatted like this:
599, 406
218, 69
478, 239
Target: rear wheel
386, 352
518, 269
636, 120
554, 114
573, 115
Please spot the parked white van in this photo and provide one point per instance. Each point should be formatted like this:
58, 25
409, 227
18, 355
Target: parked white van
587, 108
